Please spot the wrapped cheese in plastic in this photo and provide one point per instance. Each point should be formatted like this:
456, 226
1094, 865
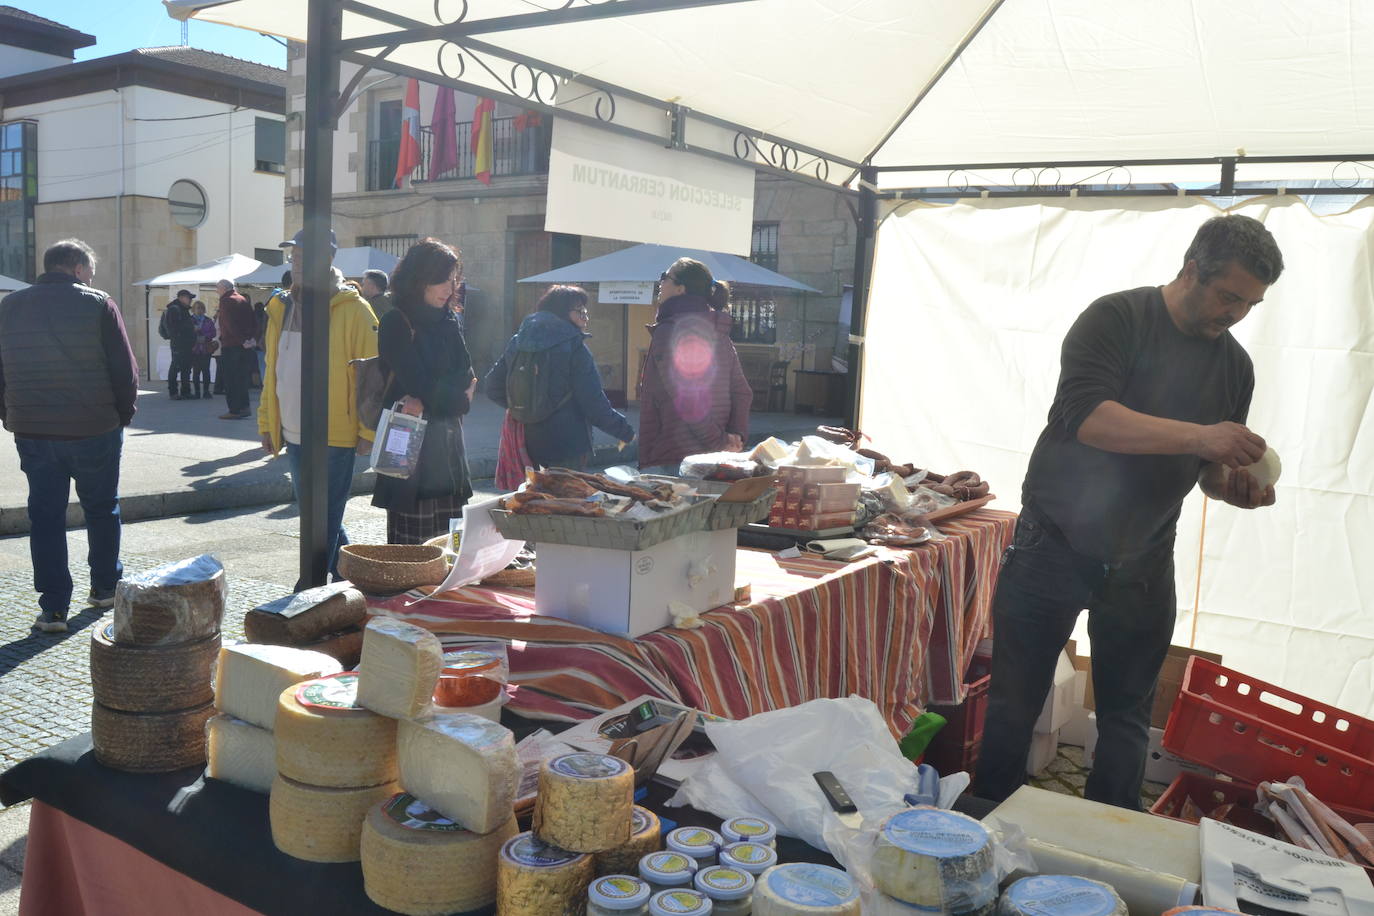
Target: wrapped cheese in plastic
175, 603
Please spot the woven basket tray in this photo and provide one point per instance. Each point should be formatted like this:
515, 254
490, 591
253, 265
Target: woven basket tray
737, 515
610, 533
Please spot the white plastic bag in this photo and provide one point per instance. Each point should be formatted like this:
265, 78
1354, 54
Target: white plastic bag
396, 448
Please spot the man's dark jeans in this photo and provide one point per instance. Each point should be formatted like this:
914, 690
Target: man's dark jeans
51, 465
339, 465
237, 365
1042, 587
179, 373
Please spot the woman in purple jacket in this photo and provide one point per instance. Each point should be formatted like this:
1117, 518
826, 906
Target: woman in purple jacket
693, 397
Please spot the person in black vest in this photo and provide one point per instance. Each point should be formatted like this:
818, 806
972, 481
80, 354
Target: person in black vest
68, 381
178, 328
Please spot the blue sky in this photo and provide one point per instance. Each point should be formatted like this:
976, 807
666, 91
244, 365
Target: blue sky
122, 25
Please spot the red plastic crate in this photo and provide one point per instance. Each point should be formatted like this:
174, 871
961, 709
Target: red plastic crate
1207, 793
956, 745
1254, 731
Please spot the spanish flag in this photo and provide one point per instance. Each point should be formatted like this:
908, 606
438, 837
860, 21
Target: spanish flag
482, 140
408, 157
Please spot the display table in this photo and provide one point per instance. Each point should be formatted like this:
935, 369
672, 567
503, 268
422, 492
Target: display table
899, 628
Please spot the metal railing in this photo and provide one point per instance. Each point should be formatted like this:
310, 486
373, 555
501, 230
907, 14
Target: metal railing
515, 151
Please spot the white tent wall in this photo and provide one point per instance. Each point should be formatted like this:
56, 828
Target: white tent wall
968, 309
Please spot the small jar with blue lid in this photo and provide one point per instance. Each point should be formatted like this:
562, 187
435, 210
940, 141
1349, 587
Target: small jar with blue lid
701, 844
618, 895
730, 889
750, 830
667, 870
680, 902
749, 857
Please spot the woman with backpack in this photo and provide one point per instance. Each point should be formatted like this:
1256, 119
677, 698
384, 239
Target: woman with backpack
694, 397
548, 383
423, 353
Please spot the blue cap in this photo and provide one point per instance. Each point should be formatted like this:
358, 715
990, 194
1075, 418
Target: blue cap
298, 240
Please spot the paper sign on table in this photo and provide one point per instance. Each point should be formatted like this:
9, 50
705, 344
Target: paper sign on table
482, 551
1247, 872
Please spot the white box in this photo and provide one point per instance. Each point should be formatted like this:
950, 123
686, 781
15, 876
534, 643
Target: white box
627, 592
1059, 701
1075, 731
1160, 765
1043, 747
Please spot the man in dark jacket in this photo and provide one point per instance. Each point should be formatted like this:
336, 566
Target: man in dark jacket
178, 328
375, 285
574, 397
238, 331
68, 381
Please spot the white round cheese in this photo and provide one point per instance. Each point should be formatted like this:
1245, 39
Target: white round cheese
463, 765
1266, 471
536, 879
318, 823
936, 859
418, 862
805, 889
324, 738
1060, 895
644, 838
585, 802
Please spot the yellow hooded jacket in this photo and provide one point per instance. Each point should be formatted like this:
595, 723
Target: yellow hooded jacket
352, 335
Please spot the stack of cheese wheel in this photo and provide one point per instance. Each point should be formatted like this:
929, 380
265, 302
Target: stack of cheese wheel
249, 680
936, 859
150, 668
327, 619
536, 879
644, 839
1060, 895
335, 760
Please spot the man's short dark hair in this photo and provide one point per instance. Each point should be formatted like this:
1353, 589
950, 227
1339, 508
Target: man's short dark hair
1223, 239
378, 277
185, 292
68, 255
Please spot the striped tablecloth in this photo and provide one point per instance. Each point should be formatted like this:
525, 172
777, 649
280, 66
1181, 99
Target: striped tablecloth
897, 628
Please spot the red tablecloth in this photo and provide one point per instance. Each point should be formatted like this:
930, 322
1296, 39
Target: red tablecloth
898, 628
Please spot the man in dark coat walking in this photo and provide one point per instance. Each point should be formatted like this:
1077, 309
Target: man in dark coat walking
178, 328
238, 331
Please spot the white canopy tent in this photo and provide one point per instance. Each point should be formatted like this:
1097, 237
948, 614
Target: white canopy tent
225, 267
352, 262
644, 263
9, 284
1037, 98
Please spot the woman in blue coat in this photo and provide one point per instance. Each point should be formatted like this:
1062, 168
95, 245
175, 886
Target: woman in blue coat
570, 400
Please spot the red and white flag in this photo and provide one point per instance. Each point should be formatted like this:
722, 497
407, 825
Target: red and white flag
408, 158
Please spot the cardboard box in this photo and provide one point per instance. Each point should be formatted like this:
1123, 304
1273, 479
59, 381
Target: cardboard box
1059, 705
1043, 749
1074, 731
627, 592
1170, 682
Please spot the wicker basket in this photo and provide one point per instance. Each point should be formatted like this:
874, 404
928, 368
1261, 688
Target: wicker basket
610, 533
737, 515
388, 568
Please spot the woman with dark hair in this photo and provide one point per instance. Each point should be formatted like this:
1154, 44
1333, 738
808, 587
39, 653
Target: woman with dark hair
693, 397
547, 380
423, 353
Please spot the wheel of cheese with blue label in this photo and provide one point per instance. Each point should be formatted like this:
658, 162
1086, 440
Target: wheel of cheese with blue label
536, 879
585, 802
805, 889
1060, 895
937, 859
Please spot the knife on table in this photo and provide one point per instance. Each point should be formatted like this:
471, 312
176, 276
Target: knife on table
839, 799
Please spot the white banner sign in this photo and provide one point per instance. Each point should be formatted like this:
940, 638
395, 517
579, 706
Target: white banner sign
621, 293
607, 185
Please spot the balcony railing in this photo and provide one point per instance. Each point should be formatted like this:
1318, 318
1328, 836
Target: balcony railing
514, 152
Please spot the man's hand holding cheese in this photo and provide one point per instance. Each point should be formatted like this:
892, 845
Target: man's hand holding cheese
1152, 400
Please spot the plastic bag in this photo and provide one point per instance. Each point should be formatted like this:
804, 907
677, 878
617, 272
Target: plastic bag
175, 603
396, 448
720, 466
474, 675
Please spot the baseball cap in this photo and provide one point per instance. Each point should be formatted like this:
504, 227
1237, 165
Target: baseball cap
299, 239
185, 292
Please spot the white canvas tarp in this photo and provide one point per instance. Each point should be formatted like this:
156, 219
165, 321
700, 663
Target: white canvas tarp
969, 307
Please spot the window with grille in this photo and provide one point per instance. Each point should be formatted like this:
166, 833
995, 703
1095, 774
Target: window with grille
269, 146
18, 197
391, 244
755, 321
763, 247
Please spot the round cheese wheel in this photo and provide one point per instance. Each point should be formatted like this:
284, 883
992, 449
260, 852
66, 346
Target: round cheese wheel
936, 859
805, 889
151, 678
324, 738
178, 602
536, 879
418, 862
150, 742
321, 823
1060, 895
1266, 471
585, 802
644, 839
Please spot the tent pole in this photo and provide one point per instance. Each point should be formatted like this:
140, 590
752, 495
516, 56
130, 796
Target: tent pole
321, 89
863, 270
148, 331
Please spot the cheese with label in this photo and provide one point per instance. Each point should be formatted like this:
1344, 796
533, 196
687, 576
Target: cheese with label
644, 839
585, 802
1060, 895
175, 603
463, 765
418, 862
240, 753
399, 668
536, 879
324, 738
936, 859
249, 678
320, 823
805, 889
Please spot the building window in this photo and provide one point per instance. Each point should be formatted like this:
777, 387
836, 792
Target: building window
18, 195
274, 256
391, 244
269, 146
187, 201
763, 247
520, 146
384, 151
756, 321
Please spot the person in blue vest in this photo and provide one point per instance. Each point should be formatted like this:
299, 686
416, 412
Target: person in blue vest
68, 382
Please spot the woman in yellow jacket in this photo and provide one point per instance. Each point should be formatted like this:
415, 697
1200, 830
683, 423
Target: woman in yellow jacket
352, 335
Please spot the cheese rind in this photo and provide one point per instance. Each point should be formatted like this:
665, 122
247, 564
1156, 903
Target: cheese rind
536, 879
325, 739
585, 802
306, 616
151, 678
318, 823
149, 742
805, 889
239, 752
177, 602
462, 765
399, 668
644, 839
250, 677
419, 863
935, 859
